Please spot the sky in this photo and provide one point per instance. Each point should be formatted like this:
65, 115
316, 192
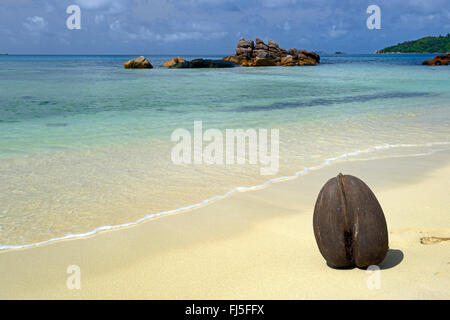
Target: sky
213, 26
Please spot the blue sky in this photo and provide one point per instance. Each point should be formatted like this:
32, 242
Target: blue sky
213, 26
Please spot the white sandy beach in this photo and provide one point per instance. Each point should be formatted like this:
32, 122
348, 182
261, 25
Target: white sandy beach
255, 245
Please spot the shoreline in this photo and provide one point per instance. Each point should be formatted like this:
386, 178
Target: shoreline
187, 208
256, 244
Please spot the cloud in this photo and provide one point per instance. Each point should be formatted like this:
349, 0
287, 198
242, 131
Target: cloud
180, 36
144, 34
336, 32
222, 5
94, 4
35, 24
108, 6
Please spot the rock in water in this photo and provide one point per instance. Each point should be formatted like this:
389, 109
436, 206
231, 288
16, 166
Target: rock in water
249, 53
173, 62
349, 224
138, 63
204, 63
442, 60
245, 47
288, 60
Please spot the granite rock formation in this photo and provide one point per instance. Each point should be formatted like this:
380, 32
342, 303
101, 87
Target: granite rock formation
138, 63
258, 53
441, 60
173, 62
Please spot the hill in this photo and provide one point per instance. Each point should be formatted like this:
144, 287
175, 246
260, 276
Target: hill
423, 45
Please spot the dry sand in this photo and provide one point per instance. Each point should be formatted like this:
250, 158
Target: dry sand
255, 245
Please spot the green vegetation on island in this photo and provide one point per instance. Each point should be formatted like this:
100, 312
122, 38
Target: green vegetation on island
423, 45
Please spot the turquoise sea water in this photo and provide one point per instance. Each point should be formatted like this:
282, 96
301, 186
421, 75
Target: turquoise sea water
85, 143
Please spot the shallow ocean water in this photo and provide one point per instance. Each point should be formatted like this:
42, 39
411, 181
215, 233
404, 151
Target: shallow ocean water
85, 143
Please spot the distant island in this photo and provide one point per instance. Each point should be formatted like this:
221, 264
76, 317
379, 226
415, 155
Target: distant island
423, 45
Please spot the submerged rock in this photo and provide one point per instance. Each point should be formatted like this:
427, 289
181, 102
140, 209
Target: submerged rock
441, 60
258, 53
173, 61
204, 63
138, 63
